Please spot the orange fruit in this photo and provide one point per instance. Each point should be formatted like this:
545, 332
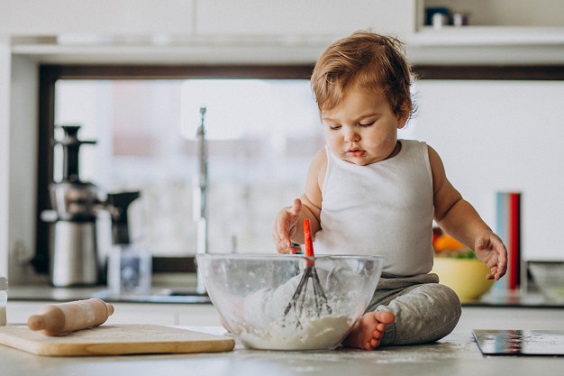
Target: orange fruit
447, 243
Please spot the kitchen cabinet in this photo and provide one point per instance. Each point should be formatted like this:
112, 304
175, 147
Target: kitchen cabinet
133, 313
255, 31
180, 31
90, 21
133, 18
165, 314
296, 18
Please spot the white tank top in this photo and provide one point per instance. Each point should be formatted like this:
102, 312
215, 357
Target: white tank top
385, 208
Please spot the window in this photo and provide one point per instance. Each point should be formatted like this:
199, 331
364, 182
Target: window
144, 119
261, 131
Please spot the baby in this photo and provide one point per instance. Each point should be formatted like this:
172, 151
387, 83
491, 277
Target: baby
369, 193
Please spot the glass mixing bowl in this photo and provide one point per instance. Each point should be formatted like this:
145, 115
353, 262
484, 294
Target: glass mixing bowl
256, 297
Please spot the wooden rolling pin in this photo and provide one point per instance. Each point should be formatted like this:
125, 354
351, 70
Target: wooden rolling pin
56, 319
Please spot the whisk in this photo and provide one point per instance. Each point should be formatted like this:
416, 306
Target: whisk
298, 300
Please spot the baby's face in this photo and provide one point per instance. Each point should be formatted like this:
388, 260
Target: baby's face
362, 128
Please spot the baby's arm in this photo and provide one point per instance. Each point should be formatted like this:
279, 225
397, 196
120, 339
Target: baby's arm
459, 219
288, 223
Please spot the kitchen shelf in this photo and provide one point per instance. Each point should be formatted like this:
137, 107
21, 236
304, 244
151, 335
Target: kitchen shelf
504, 23
499, 45
488, 36
175, 54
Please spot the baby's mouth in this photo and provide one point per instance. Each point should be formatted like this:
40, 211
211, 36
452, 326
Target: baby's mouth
356, 153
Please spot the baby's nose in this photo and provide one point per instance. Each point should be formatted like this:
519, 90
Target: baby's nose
351, 135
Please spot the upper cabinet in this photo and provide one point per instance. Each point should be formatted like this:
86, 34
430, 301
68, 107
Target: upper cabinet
273, 31
194, 31
200, 18
295, 18
100, 17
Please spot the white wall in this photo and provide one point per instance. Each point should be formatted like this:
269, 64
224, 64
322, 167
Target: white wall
5, 84
502, 136
23, 165
18, 150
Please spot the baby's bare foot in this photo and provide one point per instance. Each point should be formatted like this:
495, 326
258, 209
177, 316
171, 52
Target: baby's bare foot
368, 331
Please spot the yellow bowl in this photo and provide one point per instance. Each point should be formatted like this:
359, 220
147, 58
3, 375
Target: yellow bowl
467, 277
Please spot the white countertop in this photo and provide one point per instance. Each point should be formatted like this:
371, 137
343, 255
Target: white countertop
165, 289
170, 293
456, 354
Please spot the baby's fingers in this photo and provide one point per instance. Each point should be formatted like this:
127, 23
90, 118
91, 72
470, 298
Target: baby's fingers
282, 233
285, 228
281, 238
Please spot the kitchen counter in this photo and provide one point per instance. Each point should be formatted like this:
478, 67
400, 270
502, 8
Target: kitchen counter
456, 354
530, 299
165, 289
63, 294
184, 293
171, 302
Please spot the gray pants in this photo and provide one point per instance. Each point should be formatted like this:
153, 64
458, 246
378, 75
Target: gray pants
425, 310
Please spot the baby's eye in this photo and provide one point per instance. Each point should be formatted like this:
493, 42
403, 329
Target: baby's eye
334, 127
364, 125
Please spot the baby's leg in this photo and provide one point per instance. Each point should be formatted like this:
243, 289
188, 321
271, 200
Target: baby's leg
368, 331
423, 313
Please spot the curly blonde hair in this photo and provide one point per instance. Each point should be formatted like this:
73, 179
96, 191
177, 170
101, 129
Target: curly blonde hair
374, 61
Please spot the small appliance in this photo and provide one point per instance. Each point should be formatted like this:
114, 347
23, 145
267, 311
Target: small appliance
73, 245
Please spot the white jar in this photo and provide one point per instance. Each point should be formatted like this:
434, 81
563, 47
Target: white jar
439, 20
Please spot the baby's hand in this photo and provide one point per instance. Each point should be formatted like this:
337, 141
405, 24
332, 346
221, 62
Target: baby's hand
285, 227
490, 249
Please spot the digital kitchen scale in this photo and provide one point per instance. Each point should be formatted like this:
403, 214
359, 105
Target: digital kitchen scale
520, 342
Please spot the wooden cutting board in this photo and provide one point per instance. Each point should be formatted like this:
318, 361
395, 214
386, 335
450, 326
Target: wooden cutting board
115, 340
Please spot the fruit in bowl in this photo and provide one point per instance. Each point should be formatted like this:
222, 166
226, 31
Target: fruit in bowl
254, 294
458, 268
467, 277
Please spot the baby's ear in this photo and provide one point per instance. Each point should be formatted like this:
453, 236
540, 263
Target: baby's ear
403, 114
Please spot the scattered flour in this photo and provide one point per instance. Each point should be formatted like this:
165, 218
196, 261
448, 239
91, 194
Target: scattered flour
325, 332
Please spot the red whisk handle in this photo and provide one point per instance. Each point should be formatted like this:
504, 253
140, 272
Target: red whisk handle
308, 238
